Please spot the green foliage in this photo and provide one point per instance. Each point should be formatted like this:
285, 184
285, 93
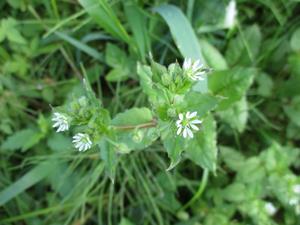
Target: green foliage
115, 76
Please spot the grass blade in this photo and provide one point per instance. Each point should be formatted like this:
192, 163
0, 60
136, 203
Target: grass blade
79, 45
104, 15
29, 179
182, 31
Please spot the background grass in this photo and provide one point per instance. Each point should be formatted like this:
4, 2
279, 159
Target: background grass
47, 44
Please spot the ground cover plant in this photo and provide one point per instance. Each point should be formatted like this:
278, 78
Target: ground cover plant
150, 112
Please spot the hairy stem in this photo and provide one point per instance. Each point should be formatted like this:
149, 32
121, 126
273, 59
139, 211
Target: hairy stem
153, 123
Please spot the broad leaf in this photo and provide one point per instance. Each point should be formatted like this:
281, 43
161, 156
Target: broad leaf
202, 103
109, 155
232, 84
135, 129
213, 57
133, 117
202, 149
237, 115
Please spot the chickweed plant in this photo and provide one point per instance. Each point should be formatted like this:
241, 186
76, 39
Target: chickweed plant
156, 112
178, 115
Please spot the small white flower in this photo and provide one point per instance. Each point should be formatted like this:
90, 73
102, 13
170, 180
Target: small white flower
296, 188
293, 201
60, 121
82, 142
194, 69
230, 16
186, 124
270, 208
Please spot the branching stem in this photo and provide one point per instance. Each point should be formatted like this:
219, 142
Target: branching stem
153, 123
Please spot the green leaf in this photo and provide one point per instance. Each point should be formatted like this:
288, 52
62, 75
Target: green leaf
117, 59
183, 34
235, 192
265, 85
172, 143
145, 75
131, 131
117, 74
253, 171
135, 139
132, 117
243, 50
58, 142
237, 115
137, 21
109, 156
125, 221
182, 31
23, 139
104, 15
233, 159
295, 40
29, 179
202, 149
202, 103
231, 84
292, 110
8, 29
79, 45
213, 57
114, 56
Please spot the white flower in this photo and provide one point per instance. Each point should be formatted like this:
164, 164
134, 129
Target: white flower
194, 69
60, 121
296, 188
270, 208
186, 124
230, 16
293, 201
82, 142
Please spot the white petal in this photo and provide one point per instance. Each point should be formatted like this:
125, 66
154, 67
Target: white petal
296, 188
195, 122
81, 147
87, 147
178, 123
194, 127
78, 144
187, 115
180, 116
190, 133
293, 201
193, 114
197, 65
184, 132
179, 130
187, 63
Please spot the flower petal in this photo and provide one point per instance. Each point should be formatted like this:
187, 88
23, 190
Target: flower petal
194, 127
195, 122
190, 133
179, 130
185, 132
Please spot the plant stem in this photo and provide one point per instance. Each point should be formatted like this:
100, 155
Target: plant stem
199, 191
153, 123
